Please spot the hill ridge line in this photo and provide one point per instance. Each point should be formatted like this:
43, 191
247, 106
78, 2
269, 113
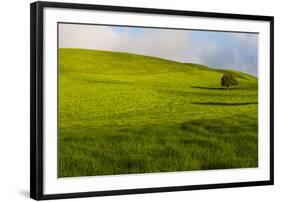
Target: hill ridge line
192, 65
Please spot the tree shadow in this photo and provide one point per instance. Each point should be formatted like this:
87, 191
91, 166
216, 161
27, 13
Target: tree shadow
215, 88
225, 103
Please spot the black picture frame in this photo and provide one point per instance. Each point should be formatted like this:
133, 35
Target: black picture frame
36, 98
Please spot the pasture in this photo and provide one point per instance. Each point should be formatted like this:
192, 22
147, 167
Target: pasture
122, 113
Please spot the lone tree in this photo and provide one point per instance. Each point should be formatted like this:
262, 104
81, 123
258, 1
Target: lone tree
228, 80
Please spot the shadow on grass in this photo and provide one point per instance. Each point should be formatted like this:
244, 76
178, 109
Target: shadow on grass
225, 103
216, 88
105, 81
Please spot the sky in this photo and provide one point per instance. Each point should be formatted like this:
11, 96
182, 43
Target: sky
221, 50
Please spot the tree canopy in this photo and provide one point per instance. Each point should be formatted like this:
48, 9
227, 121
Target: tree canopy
229, 80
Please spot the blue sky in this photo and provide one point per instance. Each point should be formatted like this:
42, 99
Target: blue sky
225, 50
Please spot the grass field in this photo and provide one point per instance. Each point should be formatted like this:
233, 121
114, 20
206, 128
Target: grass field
122, 113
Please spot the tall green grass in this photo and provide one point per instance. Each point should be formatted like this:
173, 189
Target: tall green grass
123, 113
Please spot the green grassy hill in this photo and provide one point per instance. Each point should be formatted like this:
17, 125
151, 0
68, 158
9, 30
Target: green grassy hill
122, 113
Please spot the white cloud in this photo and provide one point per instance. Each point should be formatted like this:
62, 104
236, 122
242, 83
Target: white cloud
170, 44
86, 36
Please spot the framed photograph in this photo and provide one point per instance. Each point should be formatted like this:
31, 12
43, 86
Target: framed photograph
131, 100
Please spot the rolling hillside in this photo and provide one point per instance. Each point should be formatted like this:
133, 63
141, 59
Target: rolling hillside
122, 113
